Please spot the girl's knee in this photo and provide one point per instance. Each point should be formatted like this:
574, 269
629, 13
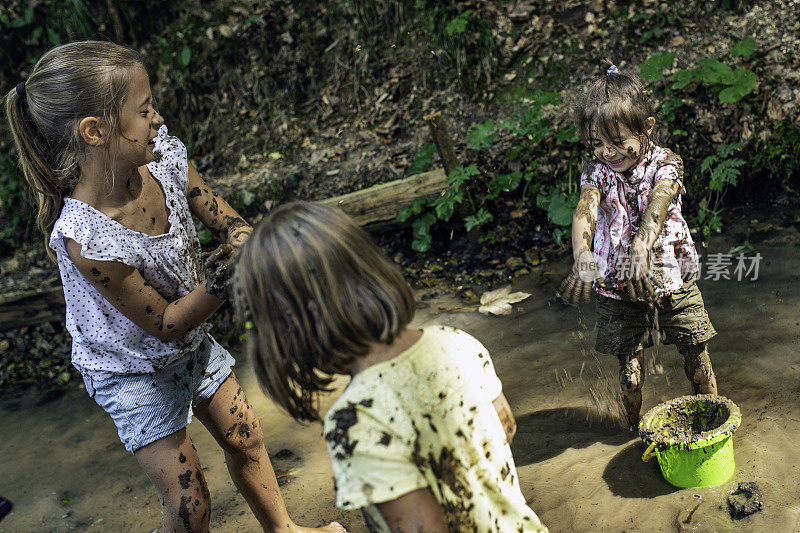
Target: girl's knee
631, 375
696, 363
244, 436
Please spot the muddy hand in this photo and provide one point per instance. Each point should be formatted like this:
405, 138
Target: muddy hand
219, 267
639, 289
574, 291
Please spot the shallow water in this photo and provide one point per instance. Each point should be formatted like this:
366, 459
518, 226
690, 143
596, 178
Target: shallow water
64, 469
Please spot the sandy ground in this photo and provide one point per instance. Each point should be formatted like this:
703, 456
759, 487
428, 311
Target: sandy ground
62, 466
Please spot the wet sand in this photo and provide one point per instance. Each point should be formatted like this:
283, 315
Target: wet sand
64, 469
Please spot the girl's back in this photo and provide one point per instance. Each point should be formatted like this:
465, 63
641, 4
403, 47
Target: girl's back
425, 419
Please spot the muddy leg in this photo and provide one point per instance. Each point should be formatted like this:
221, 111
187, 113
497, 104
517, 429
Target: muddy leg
697, 366
172, 466
229, 417
631, 378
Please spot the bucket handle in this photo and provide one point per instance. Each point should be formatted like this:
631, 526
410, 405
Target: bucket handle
649, 453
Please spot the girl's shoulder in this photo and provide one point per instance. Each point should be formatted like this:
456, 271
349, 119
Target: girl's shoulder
99, 236
661, 156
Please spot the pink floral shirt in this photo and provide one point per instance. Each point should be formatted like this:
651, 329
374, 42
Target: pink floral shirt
623, 201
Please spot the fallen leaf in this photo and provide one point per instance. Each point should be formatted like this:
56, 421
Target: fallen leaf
499, 302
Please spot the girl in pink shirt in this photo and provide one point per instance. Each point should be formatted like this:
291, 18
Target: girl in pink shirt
631, 242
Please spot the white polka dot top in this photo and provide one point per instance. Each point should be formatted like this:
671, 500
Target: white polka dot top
104, 340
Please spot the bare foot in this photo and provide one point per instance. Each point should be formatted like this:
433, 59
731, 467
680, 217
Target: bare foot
333, 527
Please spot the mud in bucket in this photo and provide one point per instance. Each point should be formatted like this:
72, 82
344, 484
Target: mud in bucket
692, 437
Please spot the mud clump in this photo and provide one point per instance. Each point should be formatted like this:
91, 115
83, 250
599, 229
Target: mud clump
745, 500
684, 422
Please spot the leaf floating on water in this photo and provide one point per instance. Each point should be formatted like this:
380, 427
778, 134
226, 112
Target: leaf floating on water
499, 302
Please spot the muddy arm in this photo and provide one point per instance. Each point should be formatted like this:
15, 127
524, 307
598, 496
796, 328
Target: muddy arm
584, 220
215, 213
415, 511
653, 220
575, 289
125, 288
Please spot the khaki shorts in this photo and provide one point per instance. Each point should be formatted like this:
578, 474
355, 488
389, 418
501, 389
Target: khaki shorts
624, 326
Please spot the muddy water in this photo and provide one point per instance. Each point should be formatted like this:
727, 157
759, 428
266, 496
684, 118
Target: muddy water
62, 466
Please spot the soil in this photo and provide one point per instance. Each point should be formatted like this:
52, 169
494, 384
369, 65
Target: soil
578, 470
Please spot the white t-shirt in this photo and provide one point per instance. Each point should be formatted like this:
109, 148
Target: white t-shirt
425, 419
105, 341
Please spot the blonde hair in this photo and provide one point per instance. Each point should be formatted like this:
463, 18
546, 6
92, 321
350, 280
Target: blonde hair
68, 83
315, 292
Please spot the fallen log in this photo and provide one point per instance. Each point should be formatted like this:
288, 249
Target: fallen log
28, 308
378, 205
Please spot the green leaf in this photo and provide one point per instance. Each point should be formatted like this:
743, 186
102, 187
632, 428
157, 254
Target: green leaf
725, 150
744, 48
653, 68
682, 78
568, 134
726, 173
421, 226
559, 211
422, 244
404, 213
488, 236
458, 24
505, 183
743, 82
478, 219
444, 206
186, 55
461, 175
707, 162
714, 71
423, 160
543, 201
481, 135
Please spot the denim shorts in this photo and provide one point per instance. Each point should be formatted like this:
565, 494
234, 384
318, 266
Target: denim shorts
148, 406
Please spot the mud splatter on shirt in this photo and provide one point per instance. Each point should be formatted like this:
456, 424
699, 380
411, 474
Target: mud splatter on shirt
623, 201
426, 419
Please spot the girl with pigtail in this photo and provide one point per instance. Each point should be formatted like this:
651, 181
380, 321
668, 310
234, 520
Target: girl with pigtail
631, 242
115, 197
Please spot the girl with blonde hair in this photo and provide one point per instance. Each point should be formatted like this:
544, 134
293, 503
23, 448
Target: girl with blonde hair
116, 194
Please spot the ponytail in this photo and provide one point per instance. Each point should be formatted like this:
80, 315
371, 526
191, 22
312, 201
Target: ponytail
68, 83
48, 189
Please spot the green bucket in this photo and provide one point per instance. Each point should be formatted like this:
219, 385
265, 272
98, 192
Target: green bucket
692, 437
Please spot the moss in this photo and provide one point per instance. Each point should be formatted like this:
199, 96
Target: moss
777, 160
555, 74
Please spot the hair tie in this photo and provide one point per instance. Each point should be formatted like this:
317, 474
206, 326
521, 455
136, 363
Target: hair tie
612, 70
21, 92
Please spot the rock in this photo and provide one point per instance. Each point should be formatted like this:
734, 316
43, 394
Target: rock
514, 263
522, 272
470, 297
745, 500
532, 256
